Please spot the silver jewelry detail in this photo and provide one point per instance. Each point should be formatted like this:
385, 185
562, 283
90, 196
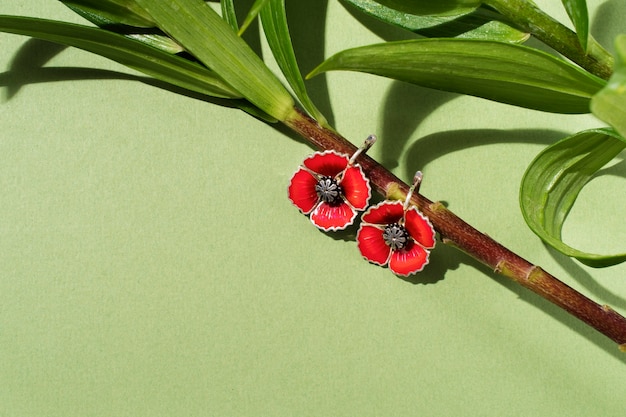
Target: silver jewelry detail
395, 236
328, 190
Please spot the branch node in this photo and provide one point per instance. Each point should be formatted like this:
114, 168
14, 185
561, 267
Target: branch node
437, 206
534, 273
501, 266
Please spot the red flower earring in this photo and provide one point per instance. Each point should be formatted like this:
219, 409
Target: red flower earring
331, 188
393, 234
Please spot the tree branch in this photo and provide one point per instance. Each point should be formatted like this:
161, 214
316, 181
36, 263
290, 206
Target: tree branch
454, 231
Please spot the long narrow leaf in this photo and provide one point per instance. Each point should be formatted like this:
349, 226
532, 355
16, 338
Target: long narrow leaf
578, 13
495, 31
228, 13
412, 22
252, 14
143, 31
472, 24
609, 104
555, 178
203, 33
274, 20
432, 7
125, 12
502, 72
134, 54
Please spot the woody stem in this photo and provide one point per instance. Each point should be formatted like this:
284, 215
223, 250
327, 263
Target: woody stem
454, 231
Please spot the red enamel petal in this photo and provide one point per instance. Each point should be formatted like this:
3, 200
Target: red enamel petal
372, 245
328, 163
356, 188
302, 191
409, 260
384, 213
419, 228
335, 217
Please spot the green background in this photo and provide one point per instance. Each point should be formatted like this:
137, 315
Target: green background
152, 265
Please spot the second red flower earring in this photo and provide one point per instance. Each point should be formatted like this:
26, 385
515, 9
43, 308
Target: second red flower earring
394, 234
331, 187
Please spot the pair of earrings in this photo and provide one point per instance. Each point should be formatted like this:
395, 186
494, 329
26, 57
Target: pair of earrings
331, 188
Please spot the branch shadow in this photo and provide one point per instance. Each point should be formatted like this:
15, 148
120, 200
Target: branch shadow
28, 68
557, 313
432, 147
581, 276
574, 268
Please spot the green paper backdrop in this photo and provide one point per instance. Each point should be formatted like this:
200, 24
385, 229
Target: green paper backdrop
152, 265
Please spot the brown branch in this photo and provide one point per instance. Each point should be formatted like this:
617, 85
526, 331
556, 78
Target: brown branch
454, 231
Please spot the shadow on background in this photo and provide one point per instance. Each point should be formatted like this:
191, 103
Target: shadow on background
573, 267
432, 147
608, 22
27, 67
405, 108
307, 26
559, 314
429, 148
27, 63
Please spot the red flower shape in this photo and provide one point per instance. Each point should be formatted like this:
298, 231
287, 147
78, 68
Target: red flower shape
331, 189
395, 236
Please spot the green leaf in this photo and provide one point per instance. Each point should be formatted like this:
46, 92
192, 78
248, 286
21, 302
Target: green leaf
496, 31
124, 12
134, 54
609, 104
252, 14
228, 13
412, 22
555, 178
577, 11
204, 34
473, 24
274, 20
512, 74
156, 40
432, 8
123, 25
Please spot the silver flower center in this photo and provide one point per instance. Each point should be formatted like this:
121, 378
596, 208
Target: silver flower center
328, 190
395, 236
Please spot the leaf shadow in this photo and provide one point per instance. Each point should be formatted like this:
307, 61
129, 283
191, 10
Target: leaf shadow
608, 22
432, 147
24, 67
406, 107
28, 68
307, 27
574, 268
429, 148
